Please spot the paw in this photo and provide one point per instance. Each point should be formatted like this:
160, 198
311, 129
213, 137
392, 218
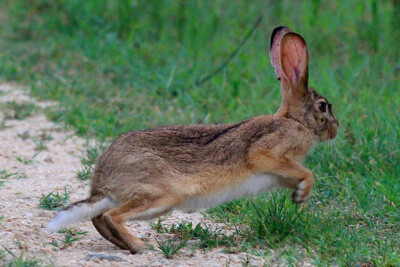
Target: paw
138, 248
302, 192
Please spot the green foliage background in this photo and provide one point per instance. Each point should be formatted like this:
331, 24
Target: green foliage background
117, 66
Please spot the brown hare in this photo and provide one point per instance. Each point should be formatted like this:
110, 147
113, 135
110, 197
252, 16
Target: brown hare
145, 174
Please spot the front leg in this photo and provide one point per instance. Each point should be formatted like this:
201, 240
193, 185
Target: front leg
291, 175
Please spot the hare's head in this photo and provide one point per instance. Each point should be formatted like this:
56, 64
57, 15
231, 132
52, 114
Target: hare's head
289, 57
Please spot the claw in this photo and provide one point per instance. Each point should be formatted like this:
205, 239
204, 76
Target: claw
300, 194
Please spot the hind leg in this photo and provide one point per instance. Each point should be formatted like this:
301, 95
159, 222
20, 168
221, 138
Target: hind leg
103, 230
139, 210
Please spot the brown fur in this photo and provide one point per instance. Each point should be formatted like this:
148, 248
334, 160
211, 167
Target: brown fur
149, 172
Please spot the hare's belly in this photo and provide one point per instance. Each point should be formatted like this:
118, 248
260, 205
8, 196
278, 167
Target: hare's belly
251, 186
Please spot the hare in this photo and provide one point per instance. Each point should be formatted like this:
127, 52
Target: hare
145, 174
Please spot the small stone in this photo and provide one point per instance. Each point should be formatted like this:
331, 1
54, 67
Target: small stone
101, 257
43, 214
156, 263
48, 159
23, 132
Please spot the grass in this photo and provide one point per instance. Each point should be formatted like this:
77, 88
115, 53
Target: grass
18, 111
206, 237
274, 219
5, 175
119, 66
39, 144
24, 135
88, 161
17, 261
3, 124
27, 161
41, 139
70, 236
203, 236
54, 200
171, 246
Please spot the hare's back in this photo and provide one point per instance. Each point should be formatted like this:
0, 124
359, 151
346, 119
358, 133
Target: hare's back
185, 148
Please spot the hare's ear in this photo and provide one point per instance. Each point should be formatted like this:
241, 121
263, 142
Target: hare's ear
294, 62
275, 48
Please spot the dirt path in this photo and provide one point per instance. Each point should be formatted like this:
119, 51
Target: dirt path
22, 227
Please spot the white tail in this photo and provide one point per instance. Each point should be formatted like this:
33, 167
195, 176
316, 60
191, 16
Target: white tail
79, 212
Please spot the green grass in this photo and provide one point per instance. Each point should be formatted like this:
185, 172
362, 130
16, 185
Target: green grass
171, 246
205, 237
18, 111
88, 160
17, 261
27, 161
116, 66
24, 135
54, 200
5, 175
70, 236
39, 144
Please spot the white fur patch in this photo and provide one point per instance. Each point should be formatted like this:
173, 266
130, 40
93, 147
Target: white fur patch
79, 213
253, 185
302, 185
150, 213
299, 192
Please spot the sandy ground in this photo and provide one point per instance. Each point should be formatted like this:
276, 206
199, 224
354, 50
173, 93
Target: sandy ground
22, 227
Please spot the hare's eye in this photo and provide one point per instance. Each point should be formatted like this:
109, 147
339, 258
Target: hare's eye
322, 106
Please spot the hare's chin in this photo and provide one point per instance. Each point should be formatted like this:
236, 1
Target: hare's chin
329, 135
332, 134
253, 185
